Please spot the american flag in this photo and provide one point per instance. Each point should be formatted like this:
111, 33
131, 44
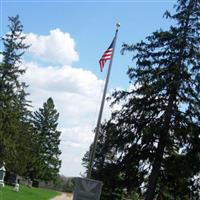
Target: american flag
106, 56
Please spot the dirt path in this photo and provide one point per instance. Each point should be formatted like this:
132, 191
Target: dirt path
63, 196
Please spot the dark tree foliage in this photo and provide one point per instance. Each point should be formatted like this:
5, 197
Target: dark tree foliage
106, 162
156, 134
165, 102
46, 164
14, 114
115, 164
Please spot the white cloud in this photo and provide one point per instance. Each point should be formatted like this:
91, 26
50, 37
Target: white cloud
77, 95
77, 135
75, 142
62, 79
57, 47
1, 57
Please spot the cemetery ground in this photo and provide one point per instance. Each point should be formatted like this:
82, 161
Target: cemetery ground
63, 196
26, 193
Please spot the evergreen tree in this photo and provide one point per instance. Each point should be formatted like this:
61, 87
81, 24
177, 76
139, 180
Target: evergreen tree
13, 104
105, 163
157, 131
165, 103
111, 166
46, 164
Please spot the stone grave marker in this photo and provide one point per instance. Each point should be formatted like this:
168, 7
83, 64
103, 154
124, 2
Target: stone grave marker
87, 189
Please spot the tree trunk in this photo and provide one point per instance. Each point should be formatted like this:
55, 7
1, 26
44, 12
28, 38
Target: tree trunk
155, 169
150, 193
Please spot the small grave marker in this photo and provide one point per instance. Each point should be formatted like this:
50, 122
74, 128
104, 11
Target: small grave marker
2, 175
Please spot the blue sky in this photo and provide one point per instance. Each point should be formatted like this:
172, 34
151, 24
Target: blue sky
87, 28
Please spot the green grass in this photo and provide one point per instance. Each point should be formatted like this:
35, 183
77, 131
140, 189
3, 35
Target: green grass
26, 193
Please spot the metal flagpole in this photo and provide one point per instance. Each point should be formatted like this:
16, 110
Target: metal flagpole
92, 154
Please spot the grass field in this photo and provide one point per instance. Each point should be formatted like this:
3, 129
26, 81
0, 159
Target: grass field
26, 193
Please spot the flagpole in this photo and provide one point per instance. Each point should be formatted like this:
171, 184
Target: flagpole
93, 150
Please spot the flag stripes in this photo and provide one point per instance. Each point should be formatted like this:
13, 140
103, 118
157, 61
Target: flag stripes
106, 56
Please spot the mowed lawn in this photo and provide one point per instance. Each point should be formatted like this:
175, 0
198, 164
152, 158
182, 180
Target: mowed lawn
26, 193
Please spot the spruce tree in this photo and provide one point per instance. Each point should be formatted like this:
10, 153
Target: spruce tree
13, 104
157, 130
113, 165
106, 168
46, 164
165, 103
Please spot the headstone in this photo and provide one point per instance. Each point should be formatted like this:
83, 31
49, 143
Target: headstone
35, 183
11, 178
87, 189
16, 188
2, 175
30, 183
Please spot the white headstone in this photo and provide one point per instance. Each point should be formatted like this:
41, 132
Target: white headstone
2, 175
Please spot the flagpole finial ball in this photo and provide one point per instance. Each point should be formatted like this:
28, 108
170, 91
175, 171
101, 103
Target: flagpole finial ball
118, 24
